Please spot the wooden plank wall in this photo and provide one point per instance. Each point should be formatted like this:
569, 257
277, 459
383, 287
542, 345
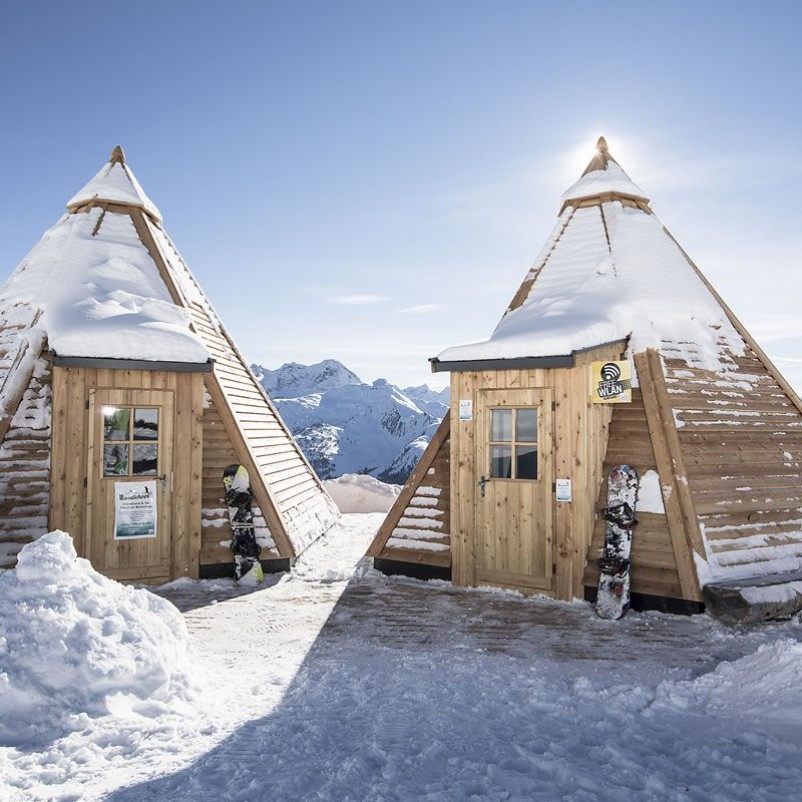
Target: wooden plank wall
419, 530
654, 567
218, 453
25, 468
67, 508
580, 441
741, 439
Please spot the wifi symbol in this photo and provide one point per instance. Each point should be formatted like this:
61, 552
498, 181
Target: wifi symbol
610, 372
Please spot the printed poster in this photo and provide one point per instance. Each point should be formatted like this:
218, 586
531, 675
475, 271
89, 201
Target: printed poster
611, 382
134, 510
562, 489
465, 409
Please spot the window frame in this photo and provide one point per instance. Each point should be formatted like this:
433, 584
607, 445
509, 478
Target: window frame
513, 444
130, 442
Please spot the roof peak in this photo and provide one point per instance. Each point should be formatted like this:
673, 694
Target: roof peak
601, 158
115, 183
603, 176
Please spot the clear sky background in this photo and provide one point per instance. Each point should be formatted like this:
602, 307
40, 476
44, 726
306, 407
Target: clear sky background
370, 181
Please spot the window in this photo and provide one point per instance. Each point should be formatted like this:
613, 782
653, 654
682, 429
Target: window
130, 441
513, 443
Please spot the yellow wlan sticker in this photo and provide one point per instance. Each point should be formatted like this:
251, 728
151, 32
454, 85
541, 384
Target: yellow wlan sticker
611, 382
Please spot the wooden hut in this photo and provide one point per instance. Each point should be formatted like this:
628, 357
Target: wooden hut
509, 492
123, 398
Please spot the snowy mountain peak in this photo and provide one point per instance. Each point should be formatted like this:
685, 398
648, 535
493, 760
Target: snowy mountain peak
344, 425
293, 380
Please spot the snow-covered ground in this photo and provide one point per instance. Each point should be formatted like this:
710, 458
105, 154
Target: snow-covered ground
336, 683
353, 492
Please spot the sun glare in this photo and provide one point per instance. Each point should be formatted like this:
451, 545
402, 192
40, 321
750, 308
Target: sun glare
622, 148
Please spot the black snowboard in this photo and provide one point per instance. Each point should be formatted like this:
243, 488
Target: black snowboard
612, 600
243, 536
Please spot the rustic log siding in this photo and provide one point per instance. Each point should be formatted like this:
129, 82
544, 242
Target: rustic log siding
25, 468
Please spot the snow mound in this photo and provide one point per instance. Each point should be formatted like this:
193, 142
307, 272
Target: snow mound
76, 644
766, 684
361, 493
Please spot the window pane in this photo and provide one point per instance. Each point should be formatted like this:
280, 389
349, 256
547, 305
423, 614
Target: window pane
526, 426
115, 460
526, 462
145, 459
501, 425
146, 424
500, 462
115, 423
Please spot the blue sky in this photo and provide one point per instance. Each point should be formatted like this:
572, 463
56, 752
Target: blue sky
370, 181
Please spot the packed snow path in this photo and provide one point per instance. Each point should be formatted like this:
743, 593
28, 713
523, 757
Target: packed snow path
336, 683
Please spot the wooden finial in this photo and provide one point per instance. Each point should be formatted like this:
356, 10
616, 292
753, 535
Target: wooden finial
117, 155
601, 145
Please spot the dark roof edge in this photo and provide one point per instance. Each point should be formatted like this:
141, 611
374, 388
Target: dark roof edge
129, 364
522, 362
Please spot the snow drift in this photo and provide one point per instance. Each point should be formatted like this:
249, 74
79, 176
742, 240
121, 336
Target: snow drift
765, 685
76, 644
361, 493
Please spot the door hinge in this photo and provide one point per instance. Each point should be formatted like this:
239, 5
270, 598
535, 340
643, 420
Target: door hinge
553, 406
554, 487
554, 568
87, 404
86, 483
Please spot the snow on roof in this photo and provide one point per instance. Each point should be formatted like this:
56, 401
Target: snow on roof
609, 272
115, 182
100, 293
600, 182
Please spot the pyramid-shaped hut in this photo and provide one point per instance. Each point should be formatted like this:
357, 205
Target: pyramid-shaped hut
510, 491
123, 398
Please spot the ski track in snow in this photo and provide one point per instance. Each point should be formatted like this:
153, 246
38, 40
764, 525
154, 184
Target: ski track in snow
336, 683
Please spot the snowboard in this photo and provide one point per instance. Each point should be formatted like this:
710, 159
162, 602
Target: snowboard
612, 600
238, 496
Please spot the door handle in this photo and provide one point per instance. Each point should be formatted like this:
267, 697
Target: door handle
482, 482
163, 480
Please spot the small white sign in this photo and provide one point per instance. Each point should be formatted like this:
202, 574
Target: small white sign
134, 510
465, 409
563, 489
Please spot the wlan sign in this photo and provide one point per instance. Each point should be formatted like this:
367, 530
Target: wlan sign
611, 382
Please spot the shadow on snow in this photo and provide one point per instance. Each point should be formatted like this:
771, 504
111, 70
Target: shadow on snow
416, 691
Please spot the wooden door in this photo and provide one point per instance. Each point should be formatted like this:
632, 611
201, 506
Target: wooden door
513, 524
129, 483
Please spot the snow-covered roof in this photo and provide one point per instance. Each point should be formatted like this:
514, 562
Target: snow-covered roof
115, 182
611, 180
609, 272
96, 286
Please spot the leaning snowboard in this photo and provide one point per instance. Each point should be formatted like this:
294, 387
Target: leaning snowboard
612, 600
237, 484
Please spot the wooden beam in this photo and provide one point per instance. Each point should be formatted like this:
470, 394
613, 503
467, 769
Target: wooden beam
441, 559
683, 523
409, 489
12, 401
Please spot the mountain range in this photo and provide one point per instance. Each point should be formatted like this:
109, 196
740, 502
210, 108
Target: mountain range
344, 425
